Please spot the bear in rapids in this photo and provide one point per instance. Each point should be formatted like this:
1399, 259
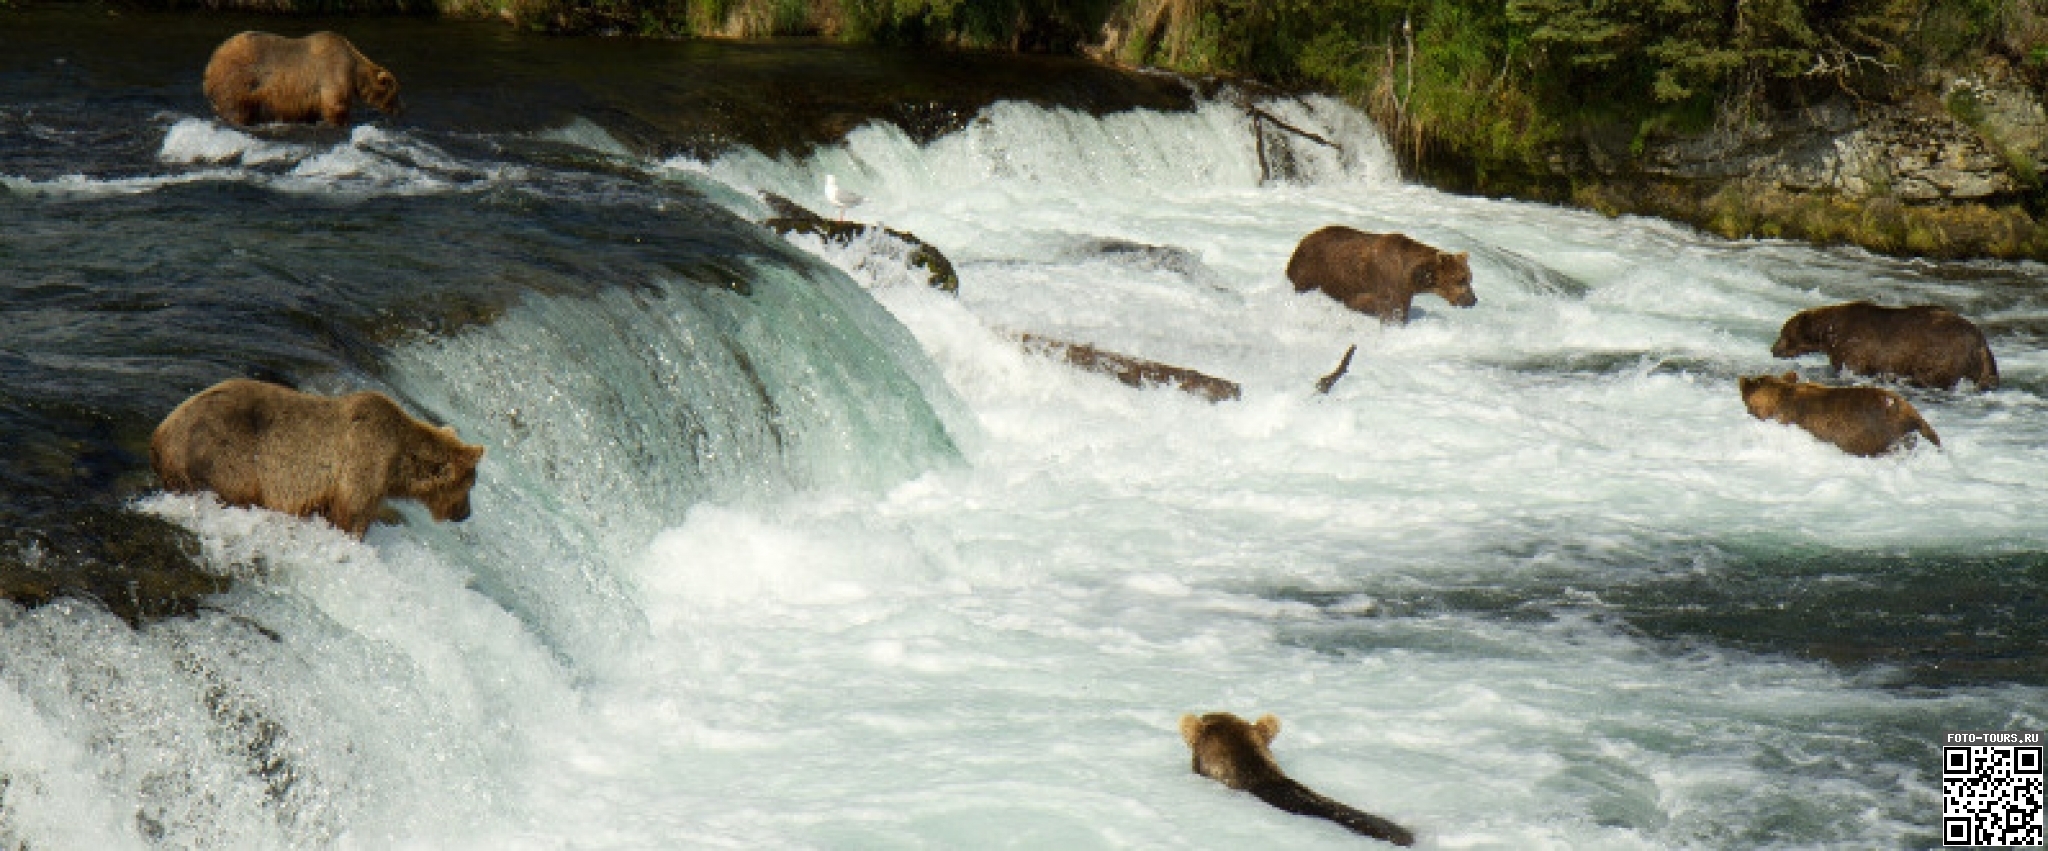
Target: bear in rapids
257, 78
269, 446
1378, 273
1927, 345
1861, 420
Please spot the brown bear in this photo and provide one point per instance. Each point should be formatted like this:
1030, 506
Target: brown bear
1861, 420
1378, 273
1235, 754
1924, 344
268, 446
257, 77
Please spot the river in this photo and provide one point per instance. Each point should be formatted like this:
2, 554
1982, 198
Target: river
775, 546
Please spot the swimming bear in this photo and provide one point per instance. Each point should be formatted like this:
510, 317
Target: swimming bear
1234, 753
1860, 420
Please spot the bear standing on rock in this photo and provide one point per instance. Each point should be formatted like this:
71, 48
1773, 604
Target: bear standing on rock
1378, 273
1861, 420
267, 446
1924, 344
257, 78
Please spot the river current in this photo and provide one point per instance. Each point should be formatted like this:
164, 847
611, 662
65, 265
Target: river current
775, 546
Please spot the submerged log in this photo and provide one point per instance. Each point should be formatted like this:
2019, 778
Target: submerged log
1135, 372
793, 217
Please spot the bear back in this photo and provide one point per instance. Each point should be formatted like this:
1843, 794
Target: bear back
1864, 421
258, 77
1378, 273
256, 444
1927, 345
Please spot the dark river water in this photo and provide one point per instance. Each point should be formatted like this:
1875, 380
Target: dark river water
131, 285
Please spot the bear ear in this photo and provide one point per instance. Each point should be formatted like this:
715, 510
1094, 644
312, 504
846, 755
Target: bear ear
1190, 728
1461, 255
1791, 378
1268, 726
468, 453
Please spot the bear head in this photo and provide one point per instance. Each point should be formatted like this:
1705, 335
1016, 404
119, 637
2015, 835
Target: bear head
1230, 751
443, 469
1763, 394
1450, 276
1804, 332
379, 88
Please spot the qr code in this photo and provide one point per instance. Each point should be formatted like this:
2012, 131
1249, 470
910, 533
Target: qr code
1991, 794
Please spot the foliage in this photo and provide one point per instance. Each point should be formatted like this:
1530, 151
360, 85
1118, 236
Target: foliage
1487, 81
1016, 24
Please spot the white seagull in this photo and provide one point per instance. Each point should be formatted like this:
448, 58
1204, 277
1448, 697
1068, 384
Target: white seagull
841, 198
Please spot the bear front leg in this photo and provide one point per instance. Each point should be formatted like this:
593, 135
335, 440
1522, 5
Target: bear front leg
358, 525
348, 518
241, 113
334, 109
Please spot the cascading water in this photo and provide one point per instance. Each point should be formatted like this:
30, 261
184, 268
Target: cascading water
769, 553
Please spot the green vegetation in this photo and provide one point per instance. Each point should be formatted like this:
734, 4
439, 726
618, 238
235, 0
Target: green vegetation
1496, 82
1039, 25
1487, 95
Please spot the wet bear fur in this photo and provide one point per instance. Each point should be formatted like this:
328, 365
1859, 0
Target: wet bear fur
1861, 420
263, 445
1378, 273
1926, 345
1236, 754
258, 78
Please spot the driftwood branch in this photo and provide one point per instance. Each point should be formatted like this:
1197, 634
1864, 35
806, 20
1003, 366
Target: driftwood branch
1262, 115
1324, 384
1261, 118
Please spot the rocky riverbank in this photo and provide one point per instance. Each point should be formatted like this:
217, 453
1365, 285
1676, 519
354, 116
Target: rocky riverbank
1954, 172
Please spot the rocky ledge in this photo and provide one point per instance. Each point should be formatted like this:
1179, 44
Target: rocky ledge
1954, 171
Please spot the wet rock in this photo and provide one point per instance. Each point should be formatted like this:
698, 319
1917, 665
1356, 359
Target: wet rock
791, 217
1836, 148
1954, 170
140, 568
1170, 258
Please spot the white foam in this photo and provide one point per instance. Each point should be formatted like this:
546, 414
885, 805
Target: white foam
584, 133
194, 140
635, 645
